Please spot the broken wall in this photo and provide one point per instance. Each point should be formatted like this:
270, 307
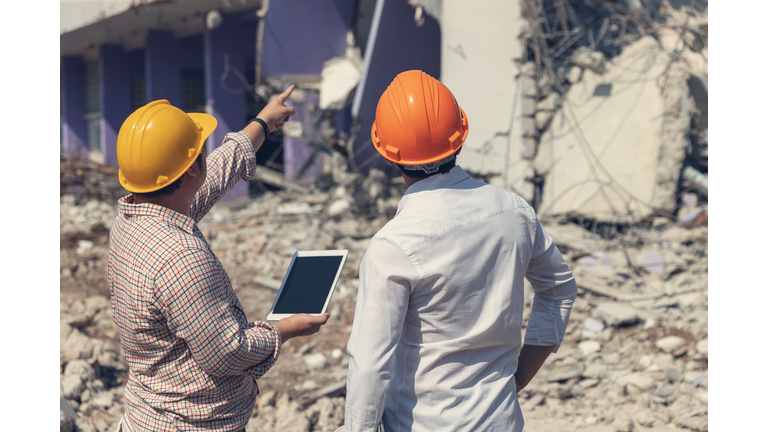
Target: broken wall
610, 150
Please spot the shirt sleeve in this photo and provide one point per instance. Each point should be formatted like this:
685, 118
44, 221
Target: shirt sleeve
554, 292
232, 161
203, 310
386, 277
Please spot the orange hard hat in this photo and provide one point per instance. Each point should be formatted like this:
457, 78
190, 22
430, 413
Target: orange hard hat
158, 143
418, 121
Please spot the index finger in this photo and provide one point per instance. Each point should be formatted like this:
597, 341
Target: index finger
284, 96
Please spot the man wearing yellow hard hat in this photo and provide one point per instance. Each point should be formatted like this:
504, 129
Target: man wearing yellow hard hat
194, 359
436, 337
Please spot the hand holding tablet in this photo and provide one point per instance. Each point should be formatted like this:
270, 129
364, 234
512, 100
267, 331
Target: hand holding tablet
308, 284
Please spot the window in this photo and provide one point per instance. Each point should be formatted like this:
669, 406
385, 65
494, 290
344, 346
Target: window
138, 92
93, 105
192, 90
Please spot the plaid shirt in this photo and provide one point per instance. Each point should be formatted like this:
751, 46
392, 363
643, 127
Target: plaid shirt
193, 357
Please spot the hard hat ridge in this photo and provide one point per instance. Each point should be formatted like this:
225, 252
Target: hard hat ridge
418, 122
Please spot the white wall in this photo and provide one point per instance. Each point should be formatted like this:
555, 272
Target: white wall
480, 41
80, 13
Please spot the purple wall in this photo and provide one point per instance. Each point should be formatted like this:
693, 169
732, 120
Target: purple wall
162, 68
300, 35
232, 42
73, 106
165, 57
395, 45
115, 95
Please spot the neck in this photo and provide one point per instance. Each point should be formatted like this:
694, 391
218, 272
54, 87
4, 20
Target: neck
172, 202
409, 180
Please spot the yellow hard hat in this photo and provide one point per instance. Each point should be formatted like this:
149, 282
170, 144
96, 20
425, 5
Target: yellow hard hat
158, 143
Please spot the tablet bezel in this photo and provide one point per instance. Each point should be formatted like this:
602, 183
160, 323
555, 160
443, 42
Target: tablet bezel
315, 253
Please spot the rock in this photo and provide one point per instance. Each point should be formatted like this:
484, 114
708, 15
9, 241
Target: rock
640, 380
315, 361
695, 377
83, 246
80, 368
703, 346
673, 375
616, 314
77, 346
534, 401
67, 416
697, 423
589, 347
653, 262
86, 427
96, 303
339, 207
596, 371
670, 344
289, 416
336, 353
574, 74
103, 399
564, 373
72, 386
623, 423
593, 325
589, 59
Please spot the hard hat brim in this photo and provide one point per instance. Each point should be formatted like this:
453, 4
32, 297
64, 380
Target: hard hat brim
207, 121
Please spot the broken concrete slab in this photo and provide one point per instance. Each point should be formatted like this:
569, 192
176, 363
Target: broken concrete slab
603, 155
340, 76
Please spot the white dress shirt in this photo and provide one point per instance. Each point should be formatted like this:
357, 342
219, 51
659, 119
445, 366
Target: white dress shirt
437, 326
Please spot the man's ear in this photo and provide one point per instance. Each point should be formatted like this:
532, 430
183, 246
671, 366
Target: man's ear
190, 172
458, 151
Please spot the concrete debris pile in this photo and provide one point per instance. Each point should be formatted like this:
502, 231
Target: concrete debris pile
82, 176
635, 355
614, 107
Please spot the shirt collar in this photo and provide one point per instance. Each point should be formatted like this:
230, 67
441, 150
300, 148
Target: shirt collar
438, 181
148, 210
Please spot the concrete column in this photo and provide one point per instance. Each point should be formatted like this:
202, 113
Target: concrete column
115, 95
395, 44
229, 44
73, 104
300, 35
162, 67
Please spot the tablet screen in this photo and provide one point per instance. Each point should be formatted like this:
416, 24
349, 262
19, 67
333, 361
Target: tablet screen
307, 285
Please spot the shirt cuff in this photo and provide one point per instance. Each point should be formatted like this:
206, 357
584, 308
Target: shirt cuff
244, 145
260, 369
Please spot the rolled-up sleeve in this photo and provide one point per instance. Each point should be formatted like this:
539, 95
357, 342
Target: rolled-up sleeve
554, 292
232, 161
203, 311
386, 278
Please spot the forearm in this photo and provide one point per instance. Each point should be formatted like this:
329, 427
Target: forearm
529, 362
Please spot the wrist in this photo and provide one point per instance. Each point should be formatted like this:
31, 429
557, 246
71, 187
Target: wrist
264, 125
285, 329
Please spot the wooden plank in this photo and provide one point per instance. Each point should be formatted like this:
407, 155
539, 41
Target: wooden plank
333, 390
274, 178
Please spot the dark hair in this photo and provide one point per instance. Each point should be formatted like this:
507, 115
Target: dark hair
173, 187
444, 168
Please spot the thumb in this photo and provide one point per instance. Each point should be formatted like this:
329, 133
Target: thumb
284, 96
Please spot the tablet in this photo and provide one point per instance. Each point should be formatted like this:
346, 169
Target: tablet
308, 284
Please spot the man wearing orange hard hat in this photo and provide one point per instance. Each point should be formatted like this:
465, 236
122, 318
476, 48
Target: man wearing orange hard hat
193, 357
436, 338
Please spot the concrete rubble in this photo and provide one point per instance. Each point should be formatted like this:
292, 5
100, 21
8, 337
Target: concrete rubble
634, 357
